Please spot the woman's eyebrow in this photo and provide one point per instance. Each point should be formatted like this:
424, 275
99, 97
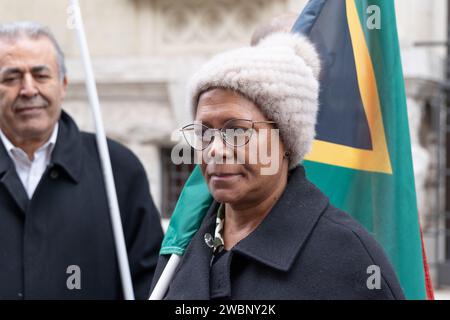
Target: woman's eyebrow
222, 121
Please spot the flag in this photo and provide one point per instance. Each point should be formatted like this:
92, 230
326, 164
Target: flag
361, 157
188, 214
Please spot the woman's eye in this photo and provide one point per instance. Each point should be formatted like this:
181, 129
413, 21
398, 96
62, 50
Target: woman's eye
241, 130
236, 129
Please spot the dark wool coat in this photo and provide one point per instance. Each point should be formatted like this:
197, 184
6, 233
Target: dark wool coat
67, 223
304, 249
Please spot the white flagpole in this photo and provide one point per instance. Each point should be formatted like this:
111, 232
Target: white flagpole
121, 251
166, 277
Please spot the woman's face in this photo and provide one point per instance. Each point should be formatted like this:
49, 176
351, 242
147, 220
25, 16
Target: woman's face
244, 175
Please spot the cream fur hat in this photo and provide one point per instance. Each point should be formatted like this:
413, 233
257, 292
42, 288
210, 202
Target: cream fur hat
280, 75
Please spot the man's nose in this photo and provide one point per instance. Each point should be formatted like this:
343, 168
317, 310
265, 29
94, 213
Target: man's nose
29, 88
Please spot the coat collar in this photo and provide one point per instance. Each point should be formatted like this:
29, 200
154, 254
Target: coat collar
67, 153
11, 181
277, 241
5, 161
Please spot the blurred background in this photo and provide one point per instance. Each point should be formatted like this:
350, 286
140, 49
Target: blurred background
144, 51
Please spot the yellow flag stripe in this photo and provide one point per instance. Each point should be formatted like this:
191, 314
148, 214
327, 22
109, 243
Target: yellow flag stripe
377, 159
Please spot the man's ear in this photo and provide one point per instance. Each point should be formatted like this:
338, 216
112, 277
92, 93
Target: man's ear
65, 83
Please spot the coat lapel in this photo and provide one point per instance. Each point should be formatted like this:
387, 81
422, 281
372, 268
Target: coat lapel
11, 181
277, 241
192, 277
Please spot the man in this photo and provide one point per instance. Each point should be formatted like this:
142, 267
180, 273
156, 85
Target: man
56, 239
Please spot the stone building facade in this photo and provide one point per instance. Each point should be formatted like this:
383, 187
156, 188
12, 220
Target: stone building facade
144, 51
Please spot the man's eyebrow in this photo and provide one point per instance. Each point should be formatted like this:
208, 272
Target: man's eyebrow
10, 70
38, 69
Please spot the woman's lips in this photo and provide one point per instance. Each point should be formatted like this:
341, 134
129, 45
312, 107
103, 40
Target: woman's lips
224, 177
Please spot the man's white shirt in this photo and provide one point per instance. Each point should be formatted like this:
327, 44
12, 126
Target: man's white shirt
30, 171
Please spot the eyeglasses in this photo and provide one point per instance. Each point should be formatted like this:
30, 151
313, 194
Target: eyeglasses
235, 133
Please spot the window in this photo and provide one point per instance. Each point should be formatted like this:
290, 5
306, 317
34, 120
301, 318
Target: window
173, 179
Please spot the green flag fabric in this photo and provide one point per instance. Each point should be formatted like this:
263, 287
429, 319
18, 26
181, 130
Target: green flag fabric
188, 214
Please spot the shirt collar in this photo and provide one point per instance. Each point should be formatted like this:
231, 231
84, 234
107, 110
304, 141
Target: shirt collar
50, 144
52, 141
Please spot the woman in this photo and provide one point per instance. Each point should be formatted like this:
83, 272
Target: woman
270, 233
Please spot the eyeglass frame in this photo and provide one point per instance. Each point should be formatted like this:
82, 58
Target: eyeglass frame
222, 132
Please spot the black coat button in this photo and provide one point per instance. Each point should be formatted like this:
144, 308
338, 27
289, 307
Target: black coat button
54, 174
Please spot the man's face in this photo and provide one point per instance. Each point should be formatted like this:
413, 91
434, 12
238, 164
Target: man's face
31, 91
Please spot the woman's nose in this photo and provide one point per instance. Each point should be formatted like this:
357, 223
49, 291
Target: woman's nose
218, 149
